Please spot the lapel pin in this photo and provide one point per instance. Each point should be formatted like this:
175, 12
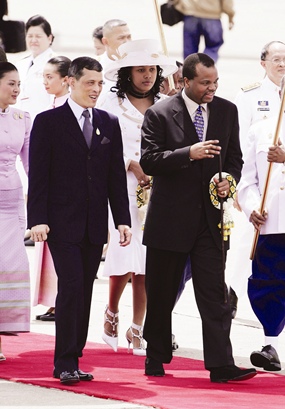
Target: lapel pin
97, 131
15, 115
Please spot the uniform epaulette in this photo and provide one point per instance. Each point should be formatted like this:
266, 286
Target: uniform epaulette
251, 86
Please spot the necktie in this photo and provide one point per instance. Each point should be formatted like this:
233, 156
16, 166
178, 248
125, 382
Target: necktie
87, 127
199, 123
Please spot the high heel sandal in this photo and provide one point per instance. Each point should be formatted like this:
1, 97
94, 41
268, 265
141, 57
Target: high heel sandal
111, 337
135, 339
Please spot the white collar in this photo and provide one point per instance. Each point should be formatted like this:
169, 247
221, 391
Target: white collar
192, 105
78, 109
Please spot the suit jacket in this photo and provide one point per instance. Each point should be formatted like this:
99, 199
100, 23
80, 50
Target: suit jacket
70, 185
180, 193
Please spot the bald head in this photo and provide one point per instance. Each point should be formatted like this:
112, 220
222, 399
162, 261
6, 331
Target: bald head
115, 33
273, 61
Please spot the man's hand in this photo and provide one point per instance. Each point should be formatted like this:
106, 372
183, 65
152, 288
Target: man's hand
258, 219
142, 178
39, 232
203, 150
276, 153
125, 235
231, 23
222, 187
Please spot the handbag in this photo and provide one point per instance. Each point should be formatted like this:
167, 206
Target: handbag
169, 14
13, 35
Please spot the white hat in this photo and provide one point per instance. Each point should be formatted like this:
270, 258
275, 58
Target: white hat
140, 53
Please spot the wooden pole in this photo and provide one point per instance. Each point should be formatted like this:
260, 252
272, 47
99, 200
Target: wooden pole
162, 39
264, 196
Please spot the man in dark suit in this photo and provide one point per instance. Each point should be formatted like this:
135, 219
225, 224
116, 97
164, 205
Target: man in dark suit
181, 219
71, 180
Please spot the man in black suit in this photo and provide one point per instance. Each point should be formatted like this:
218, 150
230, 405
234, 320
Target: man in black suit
71, 181
181, 219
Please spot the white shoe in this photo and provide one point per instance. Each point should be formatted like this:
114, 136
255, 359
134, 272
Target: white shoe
136, 339
111, 337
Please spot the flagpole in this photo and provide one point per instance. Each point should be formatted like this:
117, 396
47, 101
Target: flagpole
162, 39
264, 196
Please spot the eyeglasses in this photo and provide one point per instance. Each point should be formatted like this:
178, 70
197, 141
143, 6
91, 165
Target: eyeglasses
277, 61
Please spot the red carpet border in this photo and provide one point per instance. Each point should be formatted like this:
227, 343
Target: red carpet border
121, 376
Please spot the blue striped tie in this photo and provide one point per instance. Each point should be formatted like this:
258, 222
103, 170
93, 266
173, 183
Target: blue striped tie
199, 123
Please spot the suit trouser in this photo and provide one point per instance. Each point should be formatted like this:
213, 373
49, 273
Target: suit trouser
76, 265
164, 270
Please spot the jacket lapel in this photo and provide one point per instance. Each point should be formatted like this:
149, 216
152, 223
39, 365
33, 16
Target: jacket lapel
182, 119
72, 126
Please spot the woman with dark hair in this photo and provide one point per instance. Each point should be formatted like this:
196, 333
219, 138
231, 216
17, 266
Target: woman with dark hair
39, 38
33, 97
55, 79
14, 266
139, 75
97, 36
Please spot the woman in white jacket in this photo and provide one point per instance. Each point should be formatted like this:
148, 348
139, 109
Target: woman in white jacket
139, 75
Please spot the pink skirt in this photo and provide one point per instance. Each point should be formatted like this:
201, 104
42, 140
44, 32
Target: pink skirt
14, 264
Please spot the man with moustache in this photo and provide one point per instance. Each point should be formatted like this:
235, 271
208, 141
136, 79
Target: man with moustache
184, 139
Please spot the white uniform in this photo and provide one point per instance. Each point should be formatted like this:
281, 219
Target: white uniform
121, 260
256, 103
251, 185
33, 97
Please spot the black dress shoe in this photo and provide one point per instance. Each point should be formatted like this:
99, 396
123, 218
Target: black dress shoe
267, 359
68, 378
233, 302
38, 317
231, 373
48, 317
85, 376
153, 367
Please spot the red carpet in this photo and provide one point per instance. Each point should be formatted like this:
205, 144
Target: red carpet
121, 376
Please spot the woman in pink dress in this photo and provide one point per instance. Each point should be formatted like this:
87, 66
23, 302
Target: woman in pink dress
14, 266
56, 83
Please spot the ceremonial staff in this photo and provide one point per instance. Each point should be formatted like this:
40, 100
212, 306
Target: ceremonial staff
222, 233
162, 39
264, 196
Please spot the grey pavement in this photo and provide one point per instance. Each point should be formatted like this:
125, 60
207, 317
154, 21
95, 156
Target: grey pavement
257, 22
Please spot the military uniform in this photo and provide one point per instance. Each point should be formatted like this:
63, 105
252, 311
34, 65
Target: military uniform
266, 286
256, 102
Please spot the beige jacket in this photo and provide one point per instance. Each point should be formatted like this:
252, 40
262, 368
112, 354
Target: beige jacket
206, 8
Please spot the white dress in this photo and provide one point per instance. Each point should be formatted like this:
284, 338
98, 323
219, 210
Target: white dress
121, 260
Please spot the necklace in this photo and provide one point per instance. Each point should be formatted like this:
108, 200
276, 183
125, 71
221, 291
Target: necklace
139, 95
